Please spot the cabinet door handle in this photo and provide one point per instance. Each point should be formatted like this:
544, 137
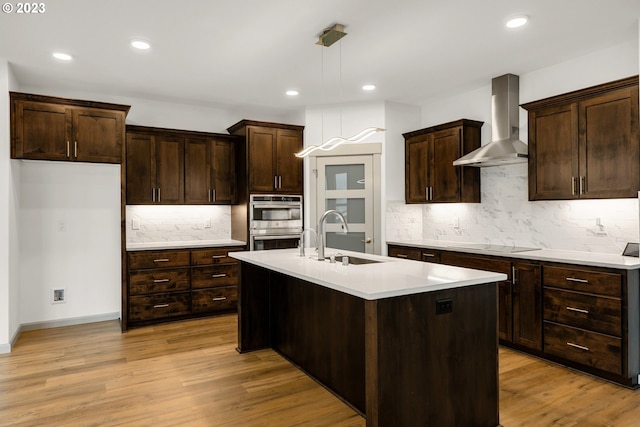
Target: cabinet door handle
573, 185
583, 184
573, 279
158, 194
219, 298
427, 255
513, 275
431, 193
161, 260
161, 306
209, 195
217, 276
275, 181
161, 280
581, 347
213, 195
75, 149
280, 181
68, 150
153, 194
402, 256
579, 310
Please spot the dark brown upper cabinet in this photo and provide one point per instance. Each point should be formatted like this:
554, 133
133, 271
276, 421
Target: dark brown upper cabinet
168, 166
48, 128
209, 171
267, 163
430, 176
585, 144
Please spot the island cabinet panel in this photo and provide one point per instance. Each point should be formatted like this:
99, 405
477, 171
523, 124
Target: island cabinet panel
253, 308
585, 144
49, 128
417, 359
322, 331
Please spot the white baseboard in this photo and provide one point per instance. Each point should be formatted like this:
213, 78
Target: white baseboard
6, 348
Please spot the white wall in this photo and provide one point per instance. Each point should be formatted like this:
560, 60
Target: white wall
70, 239
505, 215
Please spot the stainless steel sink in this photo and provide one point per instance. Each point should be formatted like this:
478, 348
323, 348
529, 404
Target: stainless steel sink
355, 260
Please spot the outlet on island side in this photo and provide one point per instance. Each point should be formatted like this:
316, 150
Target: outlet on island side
444, 306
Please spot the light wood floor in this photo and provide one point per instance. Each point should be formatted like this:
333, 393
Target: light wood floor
189, 374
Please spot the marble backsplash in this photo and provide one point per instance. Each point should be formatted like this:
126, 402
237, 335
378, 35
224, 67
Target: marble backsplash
505, 216
177, 223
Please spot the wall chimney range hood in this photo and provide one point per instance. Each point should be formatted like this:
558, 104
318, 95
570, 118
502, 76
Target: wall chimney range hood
505, 147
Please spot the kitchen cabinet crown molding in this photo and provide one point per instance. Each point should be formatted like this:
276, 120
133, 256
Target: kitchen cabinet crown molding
179, 133
240, 127
443, 126
21, 96
581, 94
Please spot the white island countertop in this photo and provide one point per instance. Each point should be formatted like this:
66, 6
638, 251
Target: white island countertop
390, 278
594, 259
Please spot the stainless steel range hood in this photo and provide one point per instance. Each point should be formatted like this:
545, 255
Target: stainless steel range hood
505, 147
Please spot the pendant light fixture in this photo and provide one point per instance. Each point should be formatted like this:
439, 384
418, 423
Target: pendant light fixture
328, 37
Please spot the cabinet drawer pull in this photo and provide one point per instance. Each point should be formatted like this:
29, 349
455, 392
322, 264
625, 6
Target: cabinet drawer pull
402, 256
573, 185
581, 347
428, 255
75, 149
218, 256
217, 276
68, 152
161, 260
579, 310
161, 280
573, 279
161, 306
219, 298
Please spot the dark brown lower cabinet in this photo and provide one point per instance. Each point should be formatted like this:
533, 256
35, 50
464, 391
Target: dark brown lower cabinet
180, 283
527, 304
584, 317
395, 360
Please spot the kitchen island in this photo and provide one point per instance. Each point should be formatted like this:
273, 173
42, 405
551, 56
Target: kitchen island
403, 342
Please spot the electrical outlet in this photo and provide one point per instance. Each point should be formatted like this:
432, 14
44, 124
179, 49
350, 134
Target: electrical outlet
135, 223
207, 222
57, 296
456, 223
444, 306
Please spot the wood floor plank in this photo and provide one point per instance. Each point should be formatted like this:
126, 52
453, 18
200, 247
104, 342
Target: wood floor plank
189, 373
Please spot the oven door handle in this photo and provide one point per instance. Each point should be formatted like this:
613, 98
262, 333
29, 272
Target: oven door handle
274, 206
276, 236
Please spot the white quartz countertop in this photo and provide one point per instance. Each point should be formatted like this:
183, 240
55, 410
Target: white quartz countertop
389, 278
183, 244
553, 255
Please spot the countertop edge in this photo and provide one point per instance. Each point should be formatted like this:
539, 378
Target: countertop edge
189, 244
592, 259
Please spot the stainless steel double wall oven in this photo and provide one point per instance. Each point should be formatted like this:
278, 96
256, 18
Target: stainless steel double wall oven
275, 221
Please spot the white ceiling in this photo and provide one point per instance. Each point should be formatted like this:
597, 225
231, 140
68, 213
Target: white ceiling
248, 52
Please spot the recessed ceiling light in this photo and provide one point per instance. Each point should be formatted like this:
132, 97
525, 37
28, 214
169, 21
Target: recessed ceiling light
292, 92
62, 56
140, 44
368, 87
517, 21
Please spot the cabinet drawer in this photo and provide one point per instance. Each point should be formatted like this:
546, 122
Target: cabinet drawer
588, 348
214, 275
158, 259
213, 256
158, 306
600, 314
218, 299
405, 253
583, 280
157, 281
